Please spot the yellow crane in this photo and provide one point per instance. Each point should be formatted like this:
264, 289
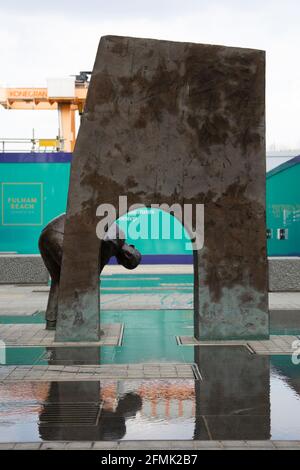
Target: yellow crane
66, 95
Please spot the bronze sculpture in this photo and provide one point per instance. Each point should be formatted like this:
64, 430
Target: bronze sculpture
51, 249
174, 123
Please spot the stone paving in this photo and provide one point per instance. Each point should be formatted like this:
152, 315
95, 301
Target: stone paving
284, 301
153, 445
145, 300
276, 345
72, 373
29, 299
21, 300
36, 335
279, 344
26, 300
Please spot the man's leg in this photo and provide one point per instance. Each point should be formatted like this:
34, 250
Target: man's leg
51, 312
50, 249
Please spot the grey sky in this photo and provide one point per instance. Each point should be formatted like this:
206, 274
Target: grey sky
60, 37
125, 8
107, 9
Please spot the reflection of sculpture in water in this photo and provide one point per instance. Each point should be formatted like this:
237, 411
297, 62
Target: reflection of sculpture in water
233, 400
109, 425
51, 248
112, 424
76, 410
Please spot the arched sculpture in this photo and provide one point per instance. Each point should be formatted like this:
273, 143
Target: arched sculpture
164, 123
51, 249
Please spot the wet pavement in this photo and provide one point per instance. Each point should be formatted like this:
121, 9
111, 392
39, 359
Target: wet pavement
147, 290
238, 396
231, 394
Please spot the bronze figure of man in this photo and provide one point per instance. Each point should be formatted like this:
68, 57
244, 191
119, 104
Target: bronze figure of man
51, 249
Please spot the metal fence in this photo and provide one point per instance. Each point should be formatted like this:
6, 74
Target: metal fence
15, 145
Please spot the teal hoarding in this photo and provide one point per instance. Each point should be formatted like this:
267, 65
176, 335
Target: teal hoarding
34, 190
283, 209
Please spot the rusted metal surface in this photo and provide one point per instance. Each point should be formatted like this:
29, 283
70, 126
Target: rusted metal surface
169, 122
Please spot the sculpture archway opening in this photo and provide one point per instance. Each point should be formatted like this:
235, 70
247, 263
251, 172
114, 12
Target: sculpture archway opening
163, 241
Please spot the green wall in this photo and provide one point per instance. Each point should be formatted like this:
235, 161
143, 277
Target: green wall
34, 191
283, 208
31, 195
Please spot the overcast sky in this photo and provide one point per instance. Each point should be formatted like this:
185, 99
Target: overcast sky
57, 38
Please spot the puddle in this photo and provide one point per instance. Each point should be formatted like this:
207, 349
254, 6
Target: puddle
285, 322
241, 396
148, 280
36, 317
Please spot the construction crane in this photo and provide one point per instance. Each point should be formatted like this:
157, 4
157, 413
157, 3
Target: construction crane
66, 95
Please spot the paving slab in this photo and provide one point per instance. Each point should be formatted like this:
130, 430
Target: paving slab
287, 444
23, 335
27, 446
53, 445
77, 445
27, 300
154, 445
7, 446
93, 373
105, 445
276, 345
